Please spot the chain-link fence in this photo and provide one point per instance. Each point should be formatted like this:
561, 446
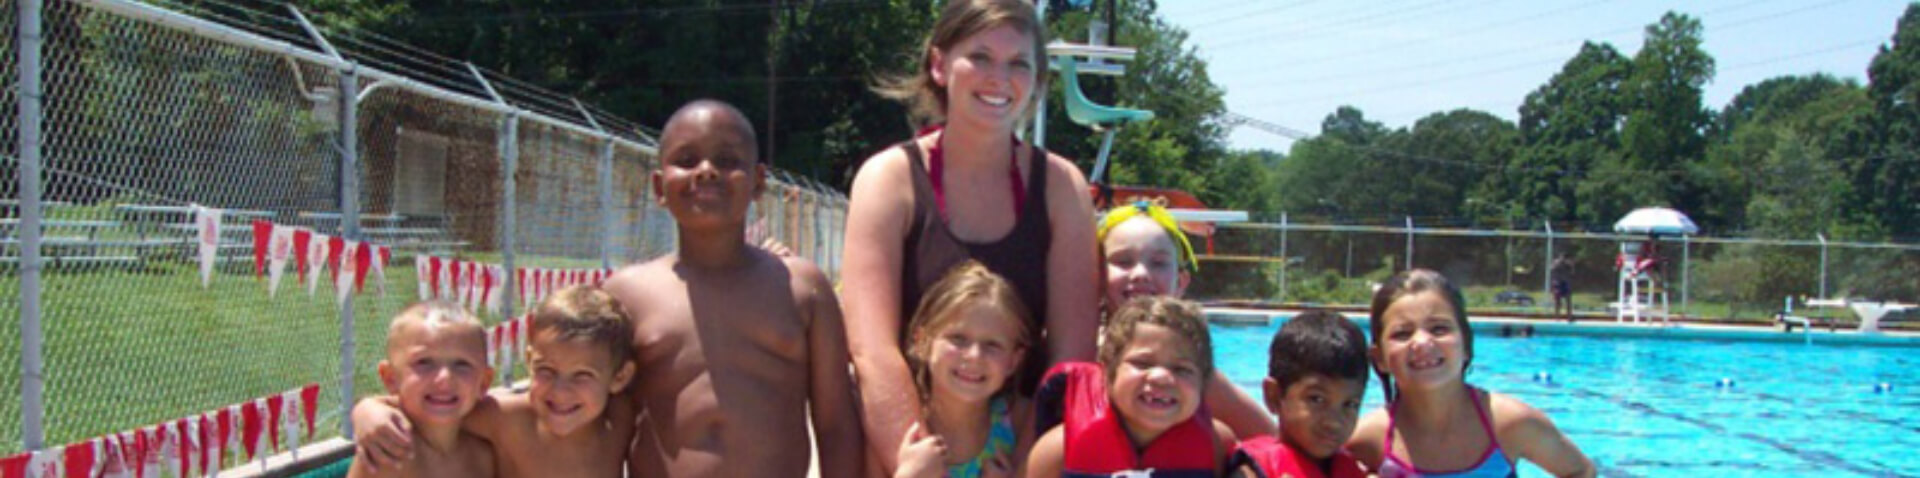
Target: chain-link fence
150, 112
1516, 270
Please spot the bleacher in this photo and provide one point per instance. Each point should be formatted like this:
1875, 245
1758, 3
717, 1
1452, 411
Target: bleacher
140, 234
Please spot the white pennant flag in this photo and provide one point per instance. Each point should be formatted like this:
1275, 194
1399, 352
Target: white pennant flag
279, 250
420, 276
446, 280
290, 422
316, 261
159, 447
206, 222
47, 462
379, 268
343, 282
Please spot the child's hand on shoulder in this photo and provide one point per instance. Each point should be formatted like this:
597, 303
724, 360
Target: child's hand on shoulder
383, 436
921, 455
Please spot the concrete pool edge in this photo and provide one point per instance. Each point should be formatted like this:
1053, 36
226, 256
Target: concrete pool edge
1498, 326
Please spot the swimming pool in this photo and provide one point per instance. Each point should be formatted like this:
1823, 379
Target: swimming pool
1655, 407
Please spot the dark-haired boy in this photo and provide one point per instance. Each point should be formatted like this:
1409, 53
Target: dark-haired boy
1316, 376
740, 347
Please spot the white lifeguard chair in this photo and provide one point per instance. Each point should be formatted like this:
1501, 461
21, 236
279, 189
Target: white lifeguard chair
1641, 290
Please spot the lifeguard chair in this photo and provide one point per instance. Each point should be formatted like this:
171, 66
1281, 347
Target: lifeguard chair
1641, 291
1095, 57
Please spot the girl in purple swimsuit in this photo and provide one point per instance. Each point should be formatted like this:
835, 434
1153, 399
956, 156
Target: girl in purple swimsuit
1435, 424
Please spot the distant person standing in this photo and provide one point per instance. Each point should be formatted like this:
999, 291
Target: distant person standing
1562, 289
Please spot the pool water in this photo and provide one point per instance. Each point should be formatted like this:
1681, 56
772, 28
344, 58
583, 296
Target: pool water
1656, 407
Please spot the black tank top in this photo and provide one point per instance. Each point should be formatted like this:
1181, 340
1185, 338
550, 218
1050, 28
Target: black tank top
1020, 256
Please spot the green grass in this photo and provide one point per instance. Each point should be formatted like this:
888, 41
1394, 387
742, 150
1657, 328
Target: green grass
128, 348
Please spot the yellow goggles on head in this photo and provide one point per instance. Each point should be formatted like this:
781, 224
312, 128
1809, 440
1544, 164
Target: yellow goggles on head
1160, 216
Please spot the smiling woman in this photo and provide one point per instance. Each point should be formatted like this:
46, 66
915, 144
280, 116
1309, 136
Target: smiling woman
965, 189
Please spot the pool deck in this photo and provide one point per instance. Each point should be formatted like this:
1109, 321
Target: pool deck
1510, 324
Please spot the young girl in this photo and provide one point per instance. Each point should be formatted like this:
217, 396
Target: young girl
1136, 413
1434, 424
966, 343
1147, 255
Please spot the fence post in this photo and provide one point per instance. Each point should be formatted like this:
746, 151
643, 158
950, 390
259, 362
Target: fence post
349, 227
1283, 257
1409, 244
509, 148
1547, 284
1823, 263
1686, 273
32, 371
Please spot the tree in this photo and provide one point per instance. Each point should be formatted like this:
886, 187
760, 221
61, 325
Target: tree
1567, 126
1885, 178
1666, 125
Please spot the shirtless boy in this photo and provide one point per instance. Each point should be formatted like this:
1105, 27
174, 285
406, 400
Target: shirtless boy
570, 423
739, 347
436, 367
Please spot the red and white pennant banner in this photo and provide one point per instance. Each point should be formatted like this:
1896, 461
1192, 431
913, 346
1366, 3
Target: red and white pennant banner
507, 342
274, 245
482, 286
192, 446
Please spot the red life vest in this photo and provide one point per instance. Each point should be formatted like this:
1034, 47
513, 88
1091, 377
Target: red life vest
1096, 444
1274, 459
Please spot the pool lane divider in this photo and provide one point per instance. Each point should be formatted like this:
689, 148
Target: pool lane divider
202, 443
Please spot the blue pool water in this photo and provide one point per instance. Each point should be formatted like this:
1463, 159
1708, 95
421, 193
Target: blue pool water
1653, 407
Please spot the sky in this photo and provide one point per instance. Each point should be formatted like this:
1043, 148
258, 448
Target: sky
1293, 62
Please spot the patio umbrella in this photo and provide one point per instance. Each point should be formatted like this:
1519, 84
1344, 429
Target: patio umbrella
1655, 220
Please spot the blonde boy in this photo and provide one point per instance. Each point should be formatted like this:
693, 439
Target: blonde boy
436, 370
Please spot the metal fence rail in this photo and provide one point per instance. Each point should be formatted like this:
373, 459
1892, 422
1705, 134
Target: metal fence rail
1702, 276
148, 111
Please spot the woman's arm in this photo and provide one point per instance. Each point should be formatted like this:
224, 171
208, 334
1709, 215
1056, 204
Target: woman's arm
877, 217
1531, 436
1072, 259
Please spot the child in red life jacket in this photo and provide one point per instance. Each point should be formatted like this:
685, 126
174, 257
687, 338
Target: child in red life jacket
1316, 376
1136, 412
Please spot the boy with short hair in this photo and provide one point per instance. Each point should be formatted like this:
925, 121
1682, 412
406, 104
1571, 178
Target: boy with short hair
570, 422
740, 347
436, 369
1316, 376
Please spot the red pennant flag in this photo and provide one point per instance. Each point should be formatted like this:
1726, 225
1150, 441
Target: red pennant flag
143, 444
433, 275
223, 438
208, 445
309, 403
184, 444
15, 465
262, 231
301, 238
79, 459
386, 256
362, 258
274, 404
486, 285
251, 424
335, 245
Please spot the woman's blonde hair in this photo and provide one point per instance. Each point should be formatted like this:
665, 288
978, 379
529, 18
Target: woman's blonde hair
962, 19
967, 284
